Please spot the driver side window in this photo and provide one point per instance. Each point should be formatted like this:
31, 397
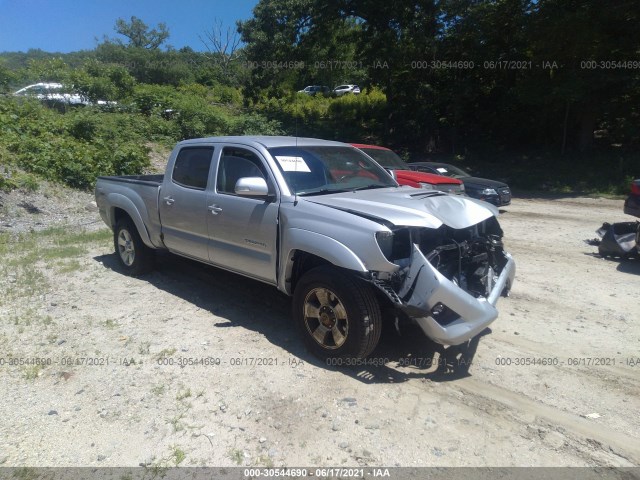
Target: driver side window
237, 163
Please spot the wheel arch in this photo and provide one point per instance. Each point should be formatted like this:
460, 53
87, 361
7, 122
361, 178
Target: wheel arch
306, 250
123, 207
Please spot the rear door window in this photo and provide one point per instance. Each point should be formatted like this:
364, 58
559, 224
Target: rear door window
192, 166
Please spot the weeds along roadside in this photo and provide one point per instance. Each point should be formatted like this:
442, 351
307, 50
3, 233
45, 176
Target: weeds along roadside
32, 264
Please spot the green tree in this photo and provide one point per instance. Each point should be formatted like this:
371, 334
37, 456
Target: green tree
139, 34
155, 66
379, 38
6, 76
291, 43
48, 69
574, 99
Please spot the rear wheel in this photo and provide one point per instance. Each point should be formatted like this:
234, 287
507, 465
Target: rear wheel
134, 256
337, 314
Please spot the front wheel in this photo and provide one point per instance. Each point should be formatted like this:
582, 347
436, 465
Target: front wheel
337, 314
134, 256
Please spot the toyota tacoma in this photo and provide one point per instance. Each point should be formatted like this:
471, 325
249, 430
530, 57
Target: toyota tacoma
325, 224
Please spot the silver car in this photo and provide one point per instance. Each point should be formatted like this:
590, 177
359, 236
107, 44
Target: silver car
341, 90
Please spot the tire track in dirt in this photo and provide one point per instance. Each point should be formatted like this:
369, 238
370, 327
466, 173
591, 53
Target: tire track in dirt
624, 446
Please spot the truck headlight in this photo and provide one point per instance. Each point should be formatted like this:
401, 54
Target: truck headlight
489, 191
426, 186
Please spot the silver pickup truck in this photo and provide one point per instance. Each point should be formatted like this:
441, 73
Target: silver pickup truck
324, 223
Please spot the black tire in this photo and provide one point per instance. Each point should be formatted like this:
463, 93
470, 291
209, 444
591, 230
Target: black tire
341, 310
134, 256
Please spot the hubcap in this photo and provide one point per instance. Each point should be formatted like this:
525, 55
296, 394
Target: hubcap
125, 247
326, 318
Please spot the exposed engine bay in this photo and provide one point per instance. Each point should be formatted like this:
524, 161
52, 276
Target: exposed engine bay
449, 278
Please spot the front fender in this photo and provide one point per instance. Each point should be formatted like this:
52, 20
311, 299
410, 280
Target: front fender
317, 244
117, 200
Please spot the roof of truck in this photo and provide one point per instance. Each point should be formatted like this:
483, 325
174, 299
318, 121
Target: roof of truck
266, 141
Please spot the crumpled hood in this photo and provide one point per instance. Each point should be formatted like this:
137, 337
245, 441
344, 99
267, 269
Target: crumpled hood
412, 207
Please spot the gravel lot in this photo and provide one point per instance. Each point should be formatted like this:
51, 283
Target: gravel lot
255, 397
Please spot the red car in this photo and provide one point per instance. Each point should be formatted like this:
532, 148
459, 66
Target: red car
405, 176
632, 204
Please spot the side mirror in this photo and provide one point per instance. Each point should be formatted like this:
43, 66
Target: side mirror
252, 187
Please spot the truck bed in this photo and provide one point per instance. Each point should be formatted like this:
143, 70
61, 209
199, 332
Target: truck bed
141, 193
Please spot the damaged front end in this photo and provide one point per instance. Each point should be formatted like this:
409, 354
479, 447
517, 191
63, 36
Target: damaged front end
449, 279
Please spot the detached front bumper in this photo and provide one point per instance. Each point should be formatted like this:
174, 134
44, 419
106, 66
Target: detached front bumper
445, 312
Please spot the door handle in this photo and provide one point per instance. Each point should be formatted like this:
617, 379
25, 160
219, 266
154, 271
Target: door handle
169, 200
215, 209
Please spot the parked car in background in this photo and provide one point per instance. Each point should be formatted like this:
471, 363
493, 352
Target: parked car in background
52, 92
401, 171
341, 90
56, 93
492, 191
632, 203
315, 90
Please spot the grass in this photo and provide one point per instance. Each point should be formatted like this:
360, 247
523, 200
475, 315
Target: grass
178, 455
183, 394
159, 467
164, 353
69, 266
143, 348
182, 407
176, 420
26, 257
266, 461
29, 316
110, 324
236, 455
30, 265
158, 390
31, 372
23, 281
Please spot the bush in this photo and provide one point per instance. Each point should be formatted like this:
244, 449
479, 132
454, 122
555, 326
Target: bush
73, 148
255, 124
99, 81
152, 99
346, 118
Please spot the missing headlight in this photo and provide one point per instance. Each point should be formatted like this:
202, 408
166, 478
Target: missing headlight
395, 245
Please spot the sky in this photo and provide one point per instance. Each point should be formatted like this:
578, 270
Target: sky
70, 25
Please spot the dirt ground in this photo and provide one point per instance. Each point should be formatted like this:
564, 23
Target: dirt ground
554, 382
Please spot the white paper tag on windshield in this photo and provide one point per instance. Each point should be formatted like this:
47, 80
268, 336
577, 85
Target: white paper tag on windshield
442, 170
292, 164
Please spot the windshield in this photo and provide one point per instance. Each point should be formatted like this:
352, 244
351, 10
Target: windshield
327, 169
448, 170
386, 158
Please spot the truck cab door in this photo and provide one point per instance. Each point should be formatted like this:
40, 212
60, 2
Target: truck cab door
243, 230
183, 202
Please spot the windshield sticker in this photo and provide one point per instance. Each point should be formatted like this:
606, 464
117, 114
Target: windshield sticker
442, 170
292, 164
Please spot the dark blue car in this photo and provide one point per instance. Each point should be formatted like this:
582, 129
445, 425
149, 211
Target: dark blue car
492, 191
